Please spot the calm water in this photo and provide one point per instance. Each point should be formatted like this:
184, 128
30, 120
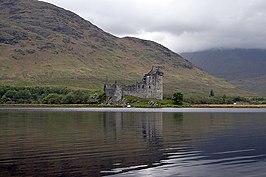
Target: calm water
83, 142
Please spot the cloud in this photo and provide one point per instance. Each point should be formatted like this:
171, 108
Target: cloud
181, 25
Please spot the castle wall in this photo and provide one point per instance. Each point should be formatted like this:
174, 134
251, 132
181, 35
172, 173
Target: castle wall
136, 90
114, 92
150, 87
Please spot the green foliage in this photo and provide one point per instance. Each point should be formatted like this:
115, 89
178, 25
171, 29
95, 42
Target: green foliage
23, 94
224, 100
11, 94
70, 98
101, 98
258, 100
47, 95
139, 102
211, 93
53, 98
63, 95
239, 99
78, 97
148, 102
177, 98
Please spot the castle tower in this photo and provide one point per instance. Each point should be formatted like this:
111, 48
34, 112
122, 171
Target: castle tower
113, 92
153, 82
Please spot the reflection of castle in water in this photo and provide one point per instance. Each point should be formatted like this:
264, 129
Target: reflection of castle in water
150, 125
137, 136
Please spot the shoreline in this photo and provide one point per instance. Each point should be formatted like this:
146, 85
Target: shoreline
228, 106
120, 106
133, 110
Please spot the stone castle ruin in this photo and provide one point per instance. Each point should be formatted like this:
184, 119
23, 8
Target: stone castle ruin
151, 86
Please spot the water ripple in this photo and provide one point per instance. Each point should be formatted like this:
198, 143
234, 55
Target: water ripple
77, 142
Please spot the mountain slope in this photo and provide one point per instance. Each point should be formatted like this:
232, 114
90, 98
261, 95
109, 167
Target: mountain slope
243, 67
42, 44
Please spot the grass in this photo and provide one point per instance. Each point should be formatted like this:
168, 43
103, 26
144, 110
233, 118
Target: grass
228, 106
148, 102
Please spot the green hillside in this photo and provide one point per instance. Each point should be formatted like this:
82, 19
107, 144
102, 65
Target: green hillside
45, 45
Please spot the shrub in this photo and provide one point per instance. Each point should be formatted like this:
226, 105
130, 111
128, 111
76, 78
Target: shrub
177, 98
53, 98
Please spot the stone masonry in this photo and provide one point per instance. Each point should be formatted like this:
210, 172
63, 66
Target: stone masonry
151, 86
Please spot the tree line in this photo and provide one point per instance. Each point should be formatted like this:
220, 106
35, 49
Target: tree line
64, 95
225, 99
48, 95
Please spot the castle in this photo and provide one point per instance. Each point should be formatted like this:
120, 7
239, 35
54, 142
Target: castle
151, 86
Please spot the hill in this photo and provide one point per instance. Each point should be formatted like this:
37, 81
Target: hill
42, 44
244, 68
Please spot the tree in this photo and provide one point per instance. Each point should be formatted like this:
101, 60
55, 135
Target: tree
102, 98
11, 94
3, 90
23, 94
70, 98
224, 99
53, 98
178, 98
211, 93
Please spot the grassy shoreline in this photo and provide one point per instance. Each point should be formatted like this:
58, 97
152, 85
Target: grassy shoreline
228, 106
116, 106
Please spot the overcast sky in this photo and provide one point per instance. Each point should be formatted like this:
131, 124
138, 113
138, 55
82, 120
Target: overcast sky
181, 25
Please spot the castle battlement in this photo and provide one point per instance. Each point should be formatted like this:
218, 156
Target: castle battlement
151, 86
